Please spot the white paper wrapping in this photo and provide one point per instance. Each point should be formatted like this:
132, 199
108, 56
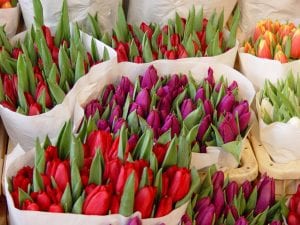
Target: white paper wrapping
159, 11
254, 10
10, 18
19, 158
281, 140
78, 11
25, 129
100, 76
257, 70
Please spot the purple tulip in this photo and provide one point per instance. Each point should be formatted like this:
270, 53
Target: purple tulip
164, 106
218, 179
204, 125
244, 121
187, 107
228, 128
132, 141
150, 78
275, 222
172, 123
203, 149
162, 91
232, 86
218, 201
247, 189
231, 191
226, 103
200, 94
107, 91
103, 125
206, 216
210, 77
134, 221
92, 107
118, 124
135, 107
218, 87
115, 114
202, 203
241, 221
266, 194
153, 120
126, 86
234, 212
242, 109
183, 80
174, 82
185, 219
208, 107
119, 97
143, 99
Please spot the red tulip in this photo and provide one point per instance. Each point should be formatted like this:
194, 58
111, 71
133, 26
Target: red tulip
180, 184
101, 140
35, 109
42, 87
125, 172
146, 29
56, 208
60, 171
43, 201
29, 205
16, 52
164, 207
112, 171
160, 151
122, 53
115, 204
8, 105
48, 37
29, 99
138, 59
144, 201
170, 54
10, 89
263, 50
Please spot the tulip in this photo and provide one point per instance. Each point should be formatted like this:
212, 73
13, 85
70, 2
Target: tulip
242, 109
144, 200
42, 87
132, 141
185, 220
228, 128
138, 59
295, 47
164, 206
112, 153
56, 208
275, 222
204, 125
22, 179
175, 39
279, 55
187, 107
8, 105
210, 77
121, 53
143, 99
92, 107
266, 195
43, 201
226, 103
153, 120
180, 184
112, 171
150, 78
183, 80
60, 171
171, 122
164, 106
173, 82
97, 202
218, 179
206, 216
109, 89
99, 140
241, 221
29, 99
124, 173
115, 114
163, 91
55, 53
147, 30
170, 54
134, 221
218, 201
232, 86
293, 218
16, 52
182, 53
31, 206
136, 107
115, 204
48, 36
263, 50
160, 151
9, 89
270, 38
103, 125
231, 191
202, 204
118, 124
247, 189
35, 109
126, 85
258, 31
248, 48
208, 107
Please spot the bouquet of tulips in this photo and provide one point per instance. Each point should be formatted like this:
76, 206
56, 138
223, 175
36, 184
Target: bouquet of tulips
38, 72
194, 36
9, 16
208, 113
271, 52
279, 118
222, 202
97, 173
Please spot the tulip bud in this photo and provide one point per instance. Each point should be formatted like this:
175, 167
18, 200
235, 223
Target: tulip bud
248, 48
210, 77
202, 204
147, 30
266, 195
206, 216
258, 31
218, 179
109, 89
293, 219
228, 128
125, 172
226, 103
295, 47
134, 221
29, 99
9, 89
16, 52
115, 204
247, 189
136, 107
241, 221
143, 99
171, 122
182, 53
150, 78
160, 151
187, 107
122, 54
31, 206
43, 201
48, 36
263, 50
126, 85
35, 109
218, 201
170, 54
144, 201
204, 125
164, 107
99, 140
208, 107
200, 94
42, 87
97, 202
185, 220
8, 105
231, 191
56, 208
164, 207
132, 141
103, 125
118, 124
92, 107
115, 114
180, 184
153, 120
112, 171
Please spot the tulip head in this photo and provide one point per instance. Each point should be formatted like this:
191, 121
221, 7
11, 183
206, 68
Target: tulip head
204, 125
103, 125
164, 206
144, 200
180, 184
266, 194
241, 221
92, 107
228, 128
210, 77
116, 113
226, 103
187, 107
171, 122
136, 107
150, 78
231, 191
109, 90
200, 94
154, 122
263, 50
143, 99
295, 47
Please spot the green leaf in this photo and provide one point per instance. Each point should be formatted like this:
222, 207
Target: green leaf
106, 39
133, 122
96, 169
66, 199
198, 20
2, 97
91, 126
5, 41
133, 50
42, 100
221, 21
153, 162
23, 196
192, 134
39, 160
63, 27
144, 145
138, 32
5, 66
260, 219
189, 24
165, 137
121, 28
65, 67
57, 93
210, 29
127, 199
79, 69
230, 219
147, 51
189, 47
213, 46
76, 152
171, 155
233, 29
234, 148
184, 153
144, 179
193, 118
178, 25
94, 24
64, 141
251, 203
154, 38
158, 183
77, 207
122, 143
38, 12
95, 53
287, 47
219, 138
76, 181
22, 83
37, 181
30, 74
126, 107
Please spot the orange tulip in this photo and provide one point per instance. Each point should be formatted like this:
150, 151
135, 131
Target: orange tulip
295, 47
263, 50
279, 55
